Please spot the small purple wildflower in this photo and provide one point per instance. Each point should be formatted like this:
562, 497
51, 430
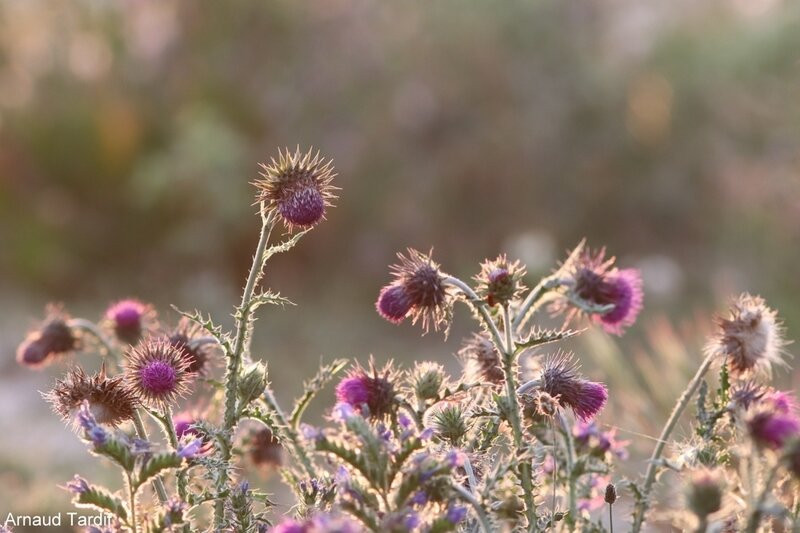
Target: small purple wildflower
455, 514
78, 485
190, 449
311, 433
92, 430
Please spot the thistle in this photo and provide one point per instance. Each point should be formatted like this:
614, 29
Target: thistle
750, 339
500, 281
597, 282
198, 350
53, 338
129, 319
560, 379
704, 493
370, 393
158, 373
110, 401
297, 187
418, 291
772, 429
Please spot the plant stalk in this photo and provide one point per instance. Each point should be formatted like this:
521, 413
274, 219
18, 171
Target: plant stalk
158, 483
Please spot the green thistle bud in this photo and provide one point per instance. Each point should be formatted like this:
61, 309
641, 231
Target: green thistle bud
500, 281
449, 422
253, 382
427, 380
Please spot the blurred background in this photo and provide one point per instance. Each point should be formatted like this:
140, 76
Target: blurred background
130, 132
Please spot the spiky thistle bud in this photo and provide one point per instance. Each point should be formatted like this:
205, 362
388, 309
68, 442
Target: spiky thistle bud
750, 339
704, 492
597, 282
297, 187
427, 380
53, 338
110, 401
481, 360
560, 379
129, 319
158, 372
500, 281
449, 422
370, 393
418, 291
264, 448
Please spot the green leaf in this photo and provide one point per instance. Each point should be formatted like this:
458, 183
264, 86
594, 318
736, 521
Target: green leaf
545, 336
285, 246
155, 465
117, 451
101, 500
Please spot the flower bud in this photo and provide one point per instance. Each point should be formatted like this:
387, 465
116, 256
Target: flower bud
253, 382
427, 380
611, 494
499, 281
704, 493
449, 422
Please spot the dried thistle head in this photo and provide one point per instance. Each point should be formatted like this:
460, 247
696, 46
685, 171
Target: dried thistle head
500, 280
370, 392
158, 372
481, 360
750, 339
110, 401
560, 379
198, 349
53, 338
297, 187
418, 291
129, 319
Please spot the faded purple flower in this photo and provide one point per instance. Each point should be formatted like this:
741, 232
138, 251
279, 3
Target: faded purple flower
190, 449
264, 448
772, 429
481, 360
128, 318
455, 514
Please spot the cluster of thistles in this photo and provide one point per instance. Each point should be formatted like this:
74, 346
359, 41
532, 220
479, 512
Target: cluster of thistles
515, 441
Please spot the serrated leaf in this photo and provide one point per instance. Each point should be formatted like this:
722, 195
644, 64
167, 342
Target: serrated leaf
207, 324
155, 465
266, 298
117, 451
101, 500
545, 336
285, 246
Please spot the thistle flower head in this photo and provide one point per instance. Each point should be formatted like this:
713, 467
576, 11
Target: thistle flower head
598, 282
371, 393
610, 496
704, 492
53, 338
297, 187
264, 449
129, 319
772, 429
418, 291
481, 360
561, 380
500, 281
111, 402
198, 349
750, 339
158, 372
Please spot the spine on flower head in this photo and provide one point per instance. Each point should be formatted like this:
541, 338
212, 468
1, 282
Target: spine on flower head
418, 291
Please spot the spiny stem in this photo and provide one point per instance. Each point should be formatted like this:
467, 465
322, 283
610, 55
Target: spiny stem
573, 506
755, 515
132, 499
158, 484
168, 425
290, 433
235, 358
644, 502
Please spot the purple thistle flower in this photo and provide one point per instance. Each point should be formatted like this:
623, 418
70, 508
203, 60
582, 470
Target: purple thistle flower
560, 379
418, 291
369, 394
500, 281
128, 319
455, 514
290, 526
598, 282
393, 303
78, 485
52, 339
158, 373
297, 187
772, 429
191, 341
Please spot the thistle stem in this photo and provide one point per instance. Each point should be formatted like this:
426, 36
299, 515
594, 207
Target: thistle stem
756, 514
572, 481
470, 499
158, 484
288, 430
644, 502
169, 429
611, 518
234, 359
132, 499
